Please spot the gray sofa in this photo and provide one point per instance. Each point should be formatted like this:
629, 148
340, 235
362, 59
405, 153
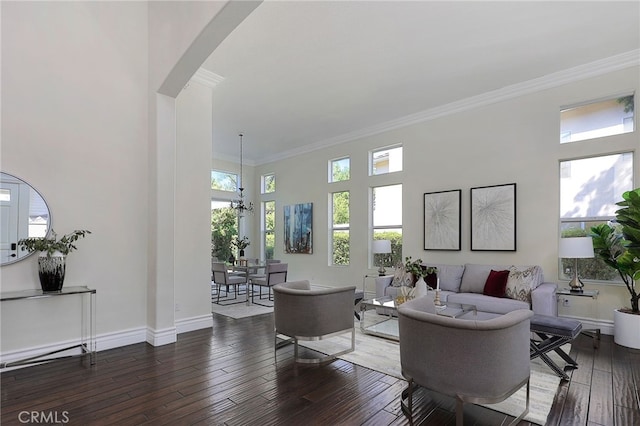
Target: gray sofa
465, 284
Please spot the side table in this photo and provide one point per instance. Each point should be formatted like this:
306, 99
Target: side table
593, 294
87, 343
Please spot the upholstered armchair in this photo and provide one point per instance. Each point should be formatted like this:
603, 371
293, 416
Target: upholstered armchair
301, 313
474, 361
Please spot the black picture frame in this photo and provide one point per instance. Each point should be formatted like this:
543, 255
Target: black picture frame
493, 218
443, 220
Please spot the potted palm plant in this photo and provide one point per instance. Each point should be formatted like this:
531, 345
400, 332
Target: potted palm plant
52, 258
618, 245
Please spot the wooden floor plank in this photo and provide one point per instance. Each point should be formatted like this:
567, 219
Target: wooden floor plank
230, 375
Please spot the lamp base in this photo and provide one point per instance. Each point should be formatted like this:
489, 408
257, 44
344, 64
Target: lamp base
381, 271
576, 285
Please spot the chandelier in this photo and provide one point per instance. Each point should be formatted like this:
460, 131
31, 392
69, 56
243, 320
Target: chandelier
238, 204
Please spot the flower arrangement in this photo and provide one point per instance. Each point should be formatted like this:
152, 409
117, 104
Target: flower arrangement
51, 244
241, 243
416, 269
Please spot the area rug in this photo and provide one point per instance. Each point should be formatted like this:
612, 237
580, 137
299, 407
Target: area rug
240, 310
383, 355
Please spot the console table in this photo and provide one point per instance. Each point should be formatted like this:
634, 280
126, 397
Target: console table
87, 343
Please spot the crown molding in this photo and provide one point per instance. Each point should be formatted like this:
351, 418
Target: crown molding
207, 78
581, 72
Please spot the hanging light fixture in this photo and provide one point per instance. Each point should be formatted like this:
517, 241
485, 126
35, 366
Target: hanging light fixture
239, 204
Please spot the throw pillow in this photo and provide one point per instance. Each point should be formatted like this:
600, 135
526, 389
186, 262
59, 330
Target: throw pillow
431, 280
398, 276
496, 284
521, 282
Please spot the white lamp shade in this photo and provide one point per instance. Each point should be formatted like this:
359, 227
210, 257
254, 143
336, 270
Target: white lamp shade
577, 247
381, 246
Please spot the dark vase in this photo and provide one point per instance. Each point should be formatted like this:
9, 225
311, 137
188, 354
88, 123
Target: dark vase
231, 260
241, 252
51, 270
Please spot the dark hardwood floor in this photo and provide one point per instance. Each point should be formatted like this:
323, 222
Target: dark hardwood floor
228, 377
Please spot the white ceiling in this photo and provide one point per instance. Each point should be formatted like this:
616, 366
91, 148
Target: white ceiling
299, 75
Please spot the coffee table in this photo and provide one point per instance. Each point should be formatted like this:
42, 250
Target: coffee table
386, 323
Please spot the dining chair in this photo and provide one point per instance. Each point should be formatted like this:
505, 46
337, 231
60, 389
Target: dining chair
275, 273
221, 277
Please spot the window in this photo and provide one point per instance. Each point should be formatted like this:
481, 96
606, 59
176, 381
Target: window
224, 181
597, 119
340, 228
589, 191
268, 183
386, 205
339, 170
224, 227
269, 228
386, 160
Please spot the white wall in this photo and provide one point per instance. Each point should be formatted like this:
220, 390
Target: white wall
192, 216
79, 105
515, 140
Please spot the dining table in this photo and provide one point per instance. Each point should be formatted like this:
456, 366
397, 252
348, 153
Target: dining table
248, 269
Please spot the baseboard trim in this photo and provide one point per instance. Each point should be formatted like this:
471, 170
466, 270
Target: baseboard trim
194, 323
605, 326
161, 337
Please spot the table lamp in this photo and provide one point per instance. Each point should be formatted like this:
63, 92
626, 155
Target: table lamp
381, 247
576, 248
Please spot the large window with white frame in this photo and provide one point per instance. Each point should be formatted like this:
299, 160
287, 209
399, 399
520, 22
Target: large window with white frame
385, 160
597, 119
340, 242
589, 190
269, 228
224, 227
386, 209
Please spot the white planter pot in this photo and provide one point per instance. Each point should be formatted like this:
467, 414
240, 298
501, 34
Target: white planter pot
421, 288
626, 328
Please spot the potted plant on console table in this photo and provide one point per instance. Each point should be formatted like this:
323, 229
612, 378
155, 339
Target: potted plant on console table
618, 245
52, 258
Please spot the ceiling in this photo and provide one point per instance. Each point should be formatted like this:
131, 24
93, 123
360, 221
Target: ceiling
305, 74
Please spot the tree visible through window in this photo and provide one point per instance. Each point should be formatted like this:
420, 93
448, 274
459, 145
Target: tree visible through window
340, 170
340, 228
224, 181
268, 228
589, 191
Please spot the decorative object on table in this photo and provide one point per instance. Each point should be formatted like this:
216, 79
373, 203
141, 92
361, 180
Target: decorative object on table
414, 267
239, 204
381, 248
241, 244
618, 245
442, 220
576, 248
405, 293
52, 258
298, 228
436, 299
493, 218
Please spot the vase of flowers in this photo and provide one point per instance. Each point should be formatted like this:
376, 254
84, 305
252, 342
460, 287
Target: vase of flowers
241, 244
52, 257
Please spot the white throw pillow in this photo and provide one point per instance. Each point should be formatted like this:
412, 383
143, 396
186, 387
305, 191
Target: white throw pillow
521, 282
398, 276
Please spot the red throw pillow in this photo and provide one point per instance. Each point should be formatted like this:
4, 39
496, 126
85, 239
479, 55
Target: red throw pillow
496, 284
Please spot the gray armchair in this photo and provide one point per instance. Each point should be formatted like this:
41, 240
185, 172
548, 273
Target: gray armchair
301, 313
474, 361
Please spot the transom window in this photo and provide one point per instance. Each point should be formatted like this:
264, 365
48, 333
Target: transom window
597, 119
387, 160
339, 170
268, 183
224, 181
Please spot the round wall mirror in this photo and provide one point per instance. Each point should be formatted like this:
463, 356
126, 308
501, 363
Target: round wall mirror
24, 214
